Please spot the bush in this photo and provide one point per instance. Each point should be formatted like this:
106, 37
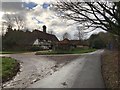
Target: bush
35, 48
98, 44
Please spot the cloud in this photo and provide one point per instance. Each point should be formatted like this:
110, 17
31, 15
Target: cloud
37, 13
39, 22
12, 6
11, 0
42, 1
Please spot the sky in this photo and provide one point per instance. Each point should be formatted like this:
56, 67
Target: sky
37, 13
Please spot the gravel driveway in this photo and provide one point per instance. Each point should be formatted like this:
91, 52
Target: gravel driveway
67, 71
36, 67
83, 72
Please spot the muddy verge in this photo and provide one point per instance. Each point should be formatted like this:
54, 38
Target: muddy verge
110, 69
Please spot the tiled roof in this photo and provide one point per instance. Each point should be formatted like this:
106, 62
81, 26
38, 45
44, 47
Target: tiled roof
65, 41
69, 42
30, 37
43, 35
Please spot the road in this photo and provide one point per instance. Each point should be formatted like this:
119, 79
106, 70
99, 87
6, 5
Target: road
59, 71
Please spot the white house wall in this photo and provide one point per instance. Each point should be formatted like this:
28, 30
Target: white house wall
36, 42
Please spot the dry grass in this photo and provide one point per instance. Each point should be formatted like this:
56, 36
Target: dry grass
110, 69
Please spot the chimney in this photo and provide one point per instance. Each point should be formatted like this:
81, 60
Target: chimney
44, 29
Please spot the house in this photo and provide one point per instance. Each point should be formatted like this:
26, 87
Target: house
26, 40
35, 40
43, 39
70, 44
64, 44
76, 43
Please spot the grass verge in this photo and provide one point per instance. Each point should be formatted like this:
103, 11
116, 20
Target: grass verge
10, 67
110, 69
74, 51
13, 52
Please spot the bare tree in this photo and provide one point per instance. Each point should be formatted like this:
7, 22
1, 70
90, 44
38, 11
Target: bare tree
66, 36
104, 15
15, 20
9, 20
80, 32
3, 28
101, 14
19, 22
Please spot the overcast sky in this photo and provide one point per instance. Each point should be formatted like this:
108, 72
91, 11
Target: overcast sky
37, 13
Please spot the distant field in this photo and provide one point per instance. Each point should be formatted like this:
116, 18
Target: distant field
74, 51
9, 68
